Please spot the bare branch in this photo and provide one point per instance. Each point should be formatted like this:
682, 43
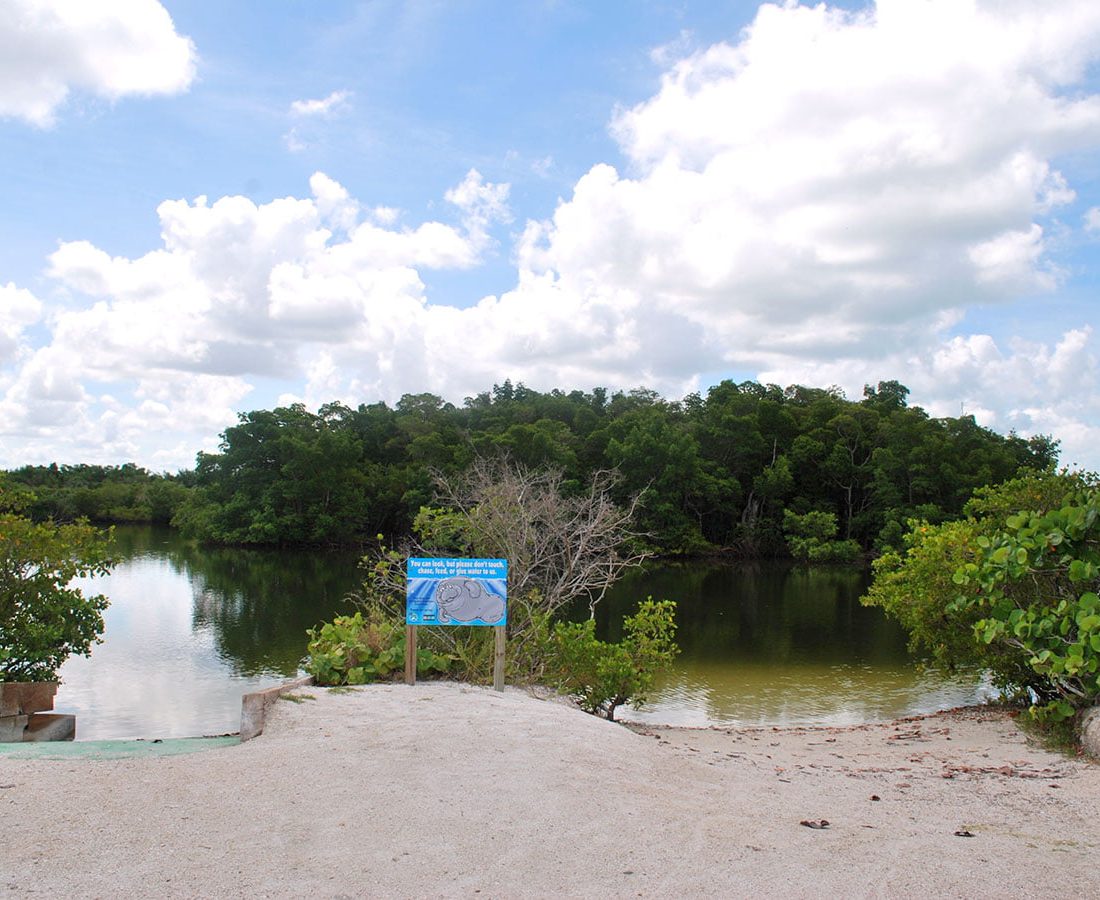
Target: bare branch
565, 546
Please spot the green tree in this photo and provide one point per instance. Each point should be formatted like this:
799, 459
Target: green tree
282, 477
43, 617
715, 472
660, 460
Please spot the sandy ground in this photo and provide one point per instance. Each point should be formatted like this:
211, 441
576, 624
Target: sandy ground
443, 790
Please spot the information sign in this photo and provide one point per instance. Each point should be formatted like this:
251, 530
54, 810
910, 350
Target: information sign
456, 592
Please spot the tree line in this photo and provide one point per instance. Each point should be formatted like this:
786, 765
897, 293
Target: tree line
718, 472
102, 494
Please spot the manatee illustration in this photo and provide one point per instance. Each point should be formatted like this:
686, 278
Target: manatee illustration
463, 600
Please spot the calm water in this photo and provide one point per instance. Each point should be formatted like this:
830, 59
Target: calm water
773, 643
190, 629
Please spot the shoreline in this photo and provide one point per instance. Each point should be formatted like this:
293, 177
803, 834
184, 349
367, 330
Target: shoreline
448, 790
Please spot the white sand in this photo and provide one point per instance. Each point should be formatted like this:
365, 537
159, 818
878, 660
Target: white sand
444, 790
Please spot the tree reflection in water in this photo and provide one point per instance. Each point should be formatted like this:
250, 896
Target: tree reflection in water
258, 603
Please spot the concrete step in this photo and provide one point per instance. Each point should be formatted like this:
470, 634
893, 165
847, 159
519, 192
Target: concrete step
50, 727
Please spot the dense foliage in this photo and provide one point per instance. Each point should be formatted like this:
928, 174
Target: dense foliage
125, 493
1012, 588
44, 618
811, 537
714, 473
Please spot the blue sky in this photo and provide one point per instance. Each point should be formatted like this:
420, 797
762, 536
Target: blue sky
211, 208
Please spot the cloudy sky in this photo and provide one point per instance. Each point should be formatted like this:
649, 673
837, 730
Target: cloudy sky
216, 207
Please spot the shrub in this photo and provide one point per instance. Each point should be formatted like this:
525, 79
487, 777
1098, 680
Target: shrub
1035, 583
916, 588
812, 538
1013, 588
563, 547
354, 650
602, 676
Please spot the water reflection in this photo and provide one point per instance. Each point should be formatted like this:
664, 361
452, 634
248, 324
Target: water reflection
189, 630
772, 643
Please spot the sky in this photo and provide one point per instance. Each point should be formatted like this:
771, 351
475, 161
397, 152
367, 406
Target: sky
210, 208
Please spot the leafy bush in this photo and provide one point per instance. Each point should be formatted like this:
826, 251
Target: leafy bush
354, 650
1012, 588
43, 617
602, 676
812, 538
1035, 583
563, 546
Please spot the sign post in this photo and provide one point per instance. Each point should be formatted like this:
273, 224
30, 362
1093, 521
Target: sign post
456, 592
498, 658
410, 654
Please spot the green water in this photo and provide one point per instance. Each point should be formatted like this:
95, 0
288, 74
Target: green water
190, 629
774, 643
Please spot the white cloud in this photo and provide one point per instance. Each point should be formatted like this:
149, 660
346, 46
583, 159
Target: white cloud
238, 291
18, 309
301, 136
483, 205
1012, 257
334, 103
543, 167
837, 175
49, 48
294, 142
818, 202
1092, 219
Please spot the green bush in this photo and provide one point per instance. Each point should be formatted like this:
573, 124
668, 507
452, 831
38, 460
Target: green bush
1012, 588
354, 650
812, 538
1035, 583
602, 676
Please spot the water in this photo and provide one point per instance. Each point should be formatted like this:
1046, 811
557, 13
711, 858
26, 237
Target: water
191, 629
774, 643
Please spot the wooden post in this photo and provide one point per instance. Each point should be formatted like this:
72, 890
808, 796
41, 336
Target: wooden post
410, 654
498, 658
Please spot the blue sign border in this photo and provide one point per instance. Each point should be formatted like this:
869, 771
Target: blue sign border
454, 591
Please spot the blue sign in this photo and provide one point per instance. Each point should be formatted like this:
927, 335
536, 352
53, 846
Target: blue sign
456, 592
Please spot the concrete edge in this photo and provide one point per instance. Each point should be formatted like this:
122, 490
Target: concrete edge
254, 706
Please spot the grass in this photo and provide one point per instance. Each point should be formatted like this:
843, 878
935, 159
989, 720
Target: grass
297, 698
